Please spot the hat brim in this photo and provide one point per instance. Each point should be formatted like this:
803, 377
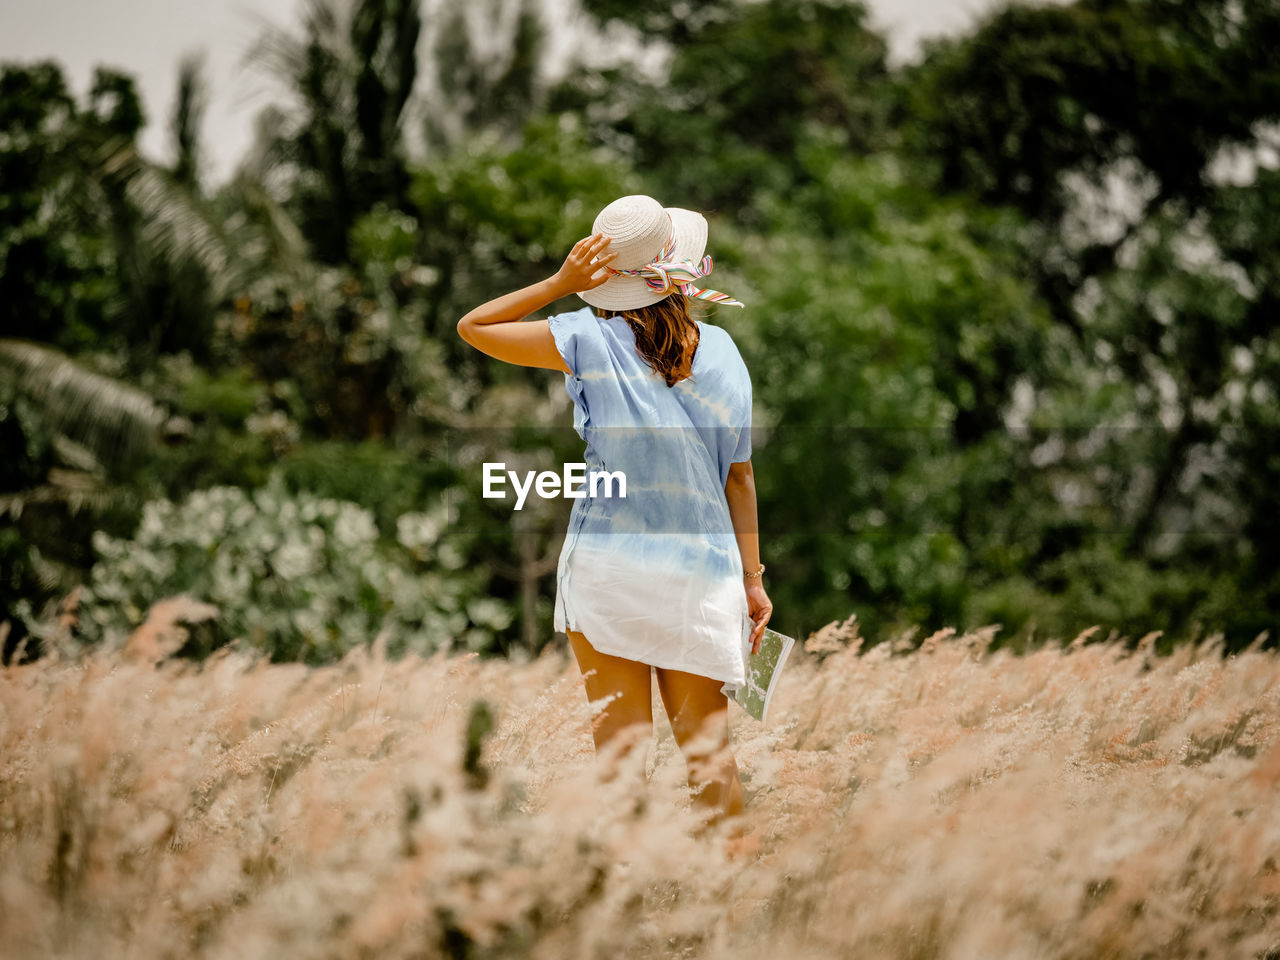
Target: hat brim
630, 293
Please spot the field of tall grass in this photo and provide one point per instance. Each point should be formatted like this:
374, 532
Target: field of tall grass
909, 800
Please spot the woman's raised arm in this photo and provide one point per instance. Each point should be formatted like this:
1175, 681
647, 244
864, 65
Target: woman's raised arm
492, 327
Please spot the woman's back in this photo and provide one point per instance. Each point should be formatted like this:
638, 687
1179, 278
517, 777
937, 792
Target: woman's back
655, 575
619, 399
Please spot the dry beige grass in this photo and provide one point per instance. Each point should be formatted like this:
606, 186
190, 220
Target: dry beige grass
951, 802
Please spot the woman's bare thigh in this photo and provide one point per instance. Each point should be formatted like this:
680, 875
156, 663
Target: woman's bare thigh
628, 684
695, 704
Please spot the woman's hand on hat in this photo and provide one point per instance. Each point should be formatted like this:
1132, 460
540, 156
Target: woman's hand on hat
582, 268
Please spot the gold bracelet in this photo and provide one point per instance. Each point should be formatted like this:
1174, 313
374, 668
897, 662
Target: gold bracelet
756, 574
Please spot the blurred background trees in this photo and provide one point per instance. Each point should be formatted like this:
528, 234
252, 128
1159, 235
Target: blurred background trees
1011, 317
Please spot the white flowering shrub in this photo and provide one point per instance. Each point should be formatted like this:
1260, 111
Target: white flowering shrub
296, 576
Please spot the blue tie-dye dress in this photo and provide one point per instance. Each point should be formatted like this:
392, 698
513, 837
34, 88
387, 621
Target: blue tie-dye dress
655, 576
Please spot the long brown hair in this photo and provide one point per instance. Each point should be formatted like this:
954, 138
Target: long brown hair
664, 332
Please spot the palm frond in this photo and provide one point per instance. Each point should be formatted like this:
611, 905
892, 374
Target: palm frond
267, 228
292, 61
180, 227
72, 489
114, 420
75, 455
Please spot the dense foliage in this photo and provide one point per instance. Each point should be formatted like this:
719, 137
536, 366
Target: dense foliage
1011, 314
296, 576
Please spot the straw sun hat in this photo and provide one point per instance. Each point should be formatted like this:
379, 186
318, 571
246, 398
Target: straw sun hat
659, 251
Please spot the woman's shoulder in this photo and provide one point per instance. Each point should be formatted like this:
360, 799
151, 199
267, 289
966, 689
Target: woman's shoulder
721, 342
717, 331
588, 321
581, 315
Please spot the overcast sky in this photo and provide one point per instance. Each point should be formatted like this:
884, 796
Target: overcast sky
147, 38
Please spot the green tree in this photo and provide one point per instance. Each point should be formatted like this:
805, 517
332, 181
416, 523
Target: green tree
58, 282
879, 328
745, 82
350, 76
480, 90
1047, 109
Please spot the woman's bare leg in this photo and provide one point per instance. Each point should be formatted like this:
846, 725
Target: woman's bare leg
627, 721
699, 715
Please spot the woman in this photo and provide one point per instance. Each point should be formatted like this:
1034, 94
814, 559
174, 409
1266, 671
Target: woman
668, 577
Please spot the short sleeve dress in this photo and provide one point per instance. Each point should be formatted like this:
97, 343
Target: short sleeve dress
655, 576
